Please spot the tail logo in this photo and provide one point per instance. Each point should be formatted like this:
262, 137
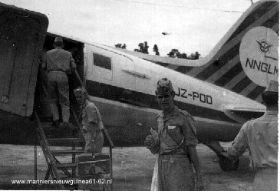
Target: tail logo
258, 53
264, 46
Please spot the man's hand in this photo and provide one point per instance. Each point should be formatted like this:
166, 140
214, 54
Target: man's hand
148, 141
224, 154
151, 139
151, 144
154, 133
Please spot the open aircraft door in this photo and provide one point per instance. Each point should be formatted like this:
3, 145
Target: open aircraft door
22, 34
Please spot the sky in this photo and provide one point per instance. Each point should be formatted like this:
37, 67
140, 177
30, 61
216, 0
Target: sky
193, 25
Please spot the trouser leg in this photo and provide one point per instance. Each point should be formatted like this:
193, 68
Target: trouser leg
87, 137
63, 91
65, 110
55, 111
52, 95
175, 174
94, 141
161, 177
99, 141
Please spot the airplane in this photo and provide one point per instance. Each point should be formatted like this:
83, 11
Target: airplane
123, 86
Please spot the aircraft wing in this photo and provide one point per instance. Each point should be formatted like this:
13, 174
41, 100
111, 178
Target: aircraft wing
242, 114
167, 61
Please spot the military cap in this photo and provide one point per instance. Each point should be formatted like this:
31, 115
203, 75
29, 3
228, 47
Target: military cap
164, 86
80, 91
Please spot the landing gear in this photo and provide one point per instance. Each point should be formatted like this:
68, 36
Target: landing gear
227, 164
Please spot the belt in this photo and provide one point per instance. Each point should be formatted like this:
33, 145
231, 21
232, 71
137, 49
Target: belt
166, 157
174, 152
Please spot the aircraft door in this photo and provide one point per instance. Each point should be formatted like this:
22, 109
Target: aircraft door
21, 39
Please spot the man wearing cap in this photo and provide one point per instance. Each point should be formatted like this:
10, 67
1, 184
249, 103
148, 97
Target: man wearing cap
175, 141
260, 137
58, 63
91, 122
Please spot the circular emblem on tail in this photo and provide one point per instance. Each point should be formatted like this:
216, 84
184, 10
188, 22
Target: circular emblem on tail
258, 53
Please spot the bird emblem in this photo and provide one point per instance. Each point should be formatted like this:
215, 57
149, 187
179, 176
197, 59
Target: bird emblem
264, 46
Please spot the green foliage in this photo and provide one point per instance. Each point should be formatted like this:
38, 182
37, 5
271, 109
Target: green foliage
155, 49
143, 47
175, 53
119, 45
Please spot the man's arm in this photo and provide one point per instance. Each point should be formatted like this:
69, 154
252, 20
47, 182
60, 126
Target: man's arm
152, 141
240, 143
92, 117
72, 63
44, 61
196, 164
189, 131
194, 158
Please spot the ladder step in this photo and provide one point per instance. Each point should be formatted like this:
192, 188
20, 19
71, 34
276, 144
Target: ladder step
59, 133
66, 152
94, 161
65, 140
66, 165
47, 125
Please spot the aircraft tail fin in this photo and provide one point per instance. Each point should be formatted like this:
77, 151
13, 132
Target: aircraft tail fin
244, 60
247, 57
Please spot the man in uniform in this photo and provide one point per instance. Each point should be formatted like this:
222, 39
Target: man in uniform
92, 127
91, 122
58, 63
260, 137
175, 141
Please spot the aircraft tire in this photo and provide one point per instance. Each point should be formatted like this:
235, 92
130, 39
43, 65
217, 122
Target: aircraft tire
228, 165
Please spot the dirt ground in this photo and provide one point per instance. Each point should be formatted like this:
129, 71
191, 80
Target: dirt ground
132, 168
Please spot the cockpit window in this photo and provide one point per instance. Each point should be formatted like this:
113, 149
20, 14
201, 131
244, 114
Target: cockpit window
102, 61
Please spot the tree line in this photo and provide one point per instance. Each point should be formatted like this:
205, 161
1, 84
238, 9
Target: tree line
143, 47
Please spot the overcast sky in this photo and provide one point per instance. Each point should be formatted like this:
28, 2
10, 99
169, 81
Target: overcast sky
194, 25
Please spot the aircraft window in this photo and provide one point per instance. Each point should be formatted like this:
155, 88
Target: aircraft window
102, 61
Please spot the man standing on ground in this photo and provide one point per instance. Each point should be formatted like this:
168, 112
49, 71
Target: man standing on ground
91, 122
260, 136
175, 141
58, 63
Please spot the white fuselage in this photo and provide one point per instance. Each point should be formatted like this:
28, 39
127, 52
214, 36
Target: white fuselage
123, 88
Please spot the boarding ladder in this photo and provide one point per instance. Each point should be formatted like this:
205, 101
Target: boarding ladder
63, 164
73, 143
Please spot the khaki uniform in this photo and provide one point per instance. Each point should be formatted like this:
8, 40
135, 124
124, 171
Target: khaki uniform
92, 126
260, 137
174, 169
59, 63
